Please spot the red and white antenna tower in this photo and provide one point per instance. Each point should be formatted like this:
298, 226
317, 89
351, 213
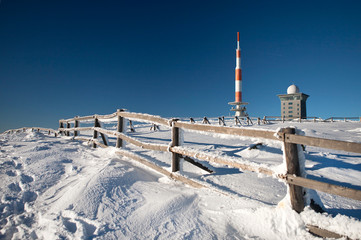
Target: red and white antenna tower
239, 109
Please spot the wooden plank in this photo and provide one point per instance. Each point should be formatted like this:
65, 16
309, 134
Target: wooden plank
149, 164
84, 118
83, 139
228, 130
145, 117
324, 187
220, 160
76, 129
159, 169
293, 167
150, 146
324, 143
195, 163
322, 232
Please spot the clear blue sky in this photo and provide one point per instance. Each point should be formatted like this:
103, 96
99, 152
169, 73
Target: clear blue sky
64, 58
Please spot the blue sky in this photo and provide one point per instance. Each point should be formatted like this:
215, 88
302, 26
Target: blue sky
59, 59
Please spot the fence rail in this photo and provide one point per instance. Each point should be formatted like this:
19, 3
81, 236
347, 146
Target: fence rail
314, 119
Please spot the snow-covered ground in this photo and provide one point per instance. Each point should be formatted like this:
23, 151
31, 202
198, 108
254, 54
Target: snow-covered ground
60, 188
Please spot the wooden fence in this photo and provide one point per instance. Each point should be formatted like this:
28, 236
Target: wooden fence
287, 136
267, 119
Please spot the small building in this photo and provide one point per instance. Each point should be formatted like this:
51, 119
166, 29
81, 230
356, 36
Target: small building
293, 104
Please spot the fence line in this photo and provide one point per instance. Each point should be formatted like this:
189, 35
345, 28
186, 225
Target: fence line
287, 136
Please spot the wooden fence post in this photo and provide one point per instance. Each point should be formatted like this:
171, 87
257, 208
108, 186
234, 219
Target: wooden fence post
95, 134
265, 120
68, 126
221, 121
120, 128
61, 125
205, 121
175, 142
293, 167
76, 124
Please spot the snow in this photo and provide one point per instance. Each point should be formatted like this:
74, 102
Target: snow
60, 188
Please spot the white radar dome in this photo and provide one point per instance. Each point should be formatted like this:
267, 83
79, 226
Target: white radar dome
293, 89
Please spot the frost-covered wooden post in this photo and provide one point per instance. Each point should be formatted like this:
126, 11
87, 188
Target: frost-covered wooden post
95, 134
293, 168
68, 126
175, 142
120, 128
61, 125
76, 124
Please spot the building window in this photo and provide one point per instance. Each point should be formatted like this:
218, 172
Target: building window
290, 116
298, 104
290, 111
298, 109
284, 112
290, 103
284, 103
284, 108
290, 107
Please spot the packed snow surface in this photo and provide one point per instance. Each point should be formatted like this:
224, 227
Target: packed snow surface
61, 188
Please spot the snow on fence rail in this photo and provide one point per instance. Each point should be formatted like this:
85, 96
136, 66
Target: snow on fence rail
307, 119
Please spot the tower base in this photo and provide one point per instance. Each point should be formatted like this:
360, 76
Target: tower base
239, 109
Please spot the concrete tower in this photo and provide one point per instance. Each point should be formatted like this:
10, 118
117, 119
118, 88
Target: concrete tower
240, 108
293, 104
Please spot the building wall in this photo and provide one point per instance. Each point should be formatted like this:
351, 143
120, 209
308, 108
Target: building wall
291, 109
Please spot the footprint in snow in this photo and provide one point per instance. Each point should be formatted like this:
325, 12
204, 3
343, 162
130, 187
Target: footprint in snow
66, 161
29, 196
11, 173
9, 163
19, 166
26, 178
70, 226
14, 187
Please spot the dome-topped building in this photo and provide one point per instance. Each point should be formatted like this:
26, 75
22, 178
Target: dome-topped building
293, 104
293, 89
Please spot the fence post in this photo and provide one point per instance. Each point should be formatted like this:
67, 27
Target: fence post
95, 134
175, 142
68, 126
120, 128
293, 167
61, 125
76, 124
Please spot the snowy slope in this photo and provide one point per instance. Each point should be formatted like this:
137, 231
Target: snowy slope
58, 188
